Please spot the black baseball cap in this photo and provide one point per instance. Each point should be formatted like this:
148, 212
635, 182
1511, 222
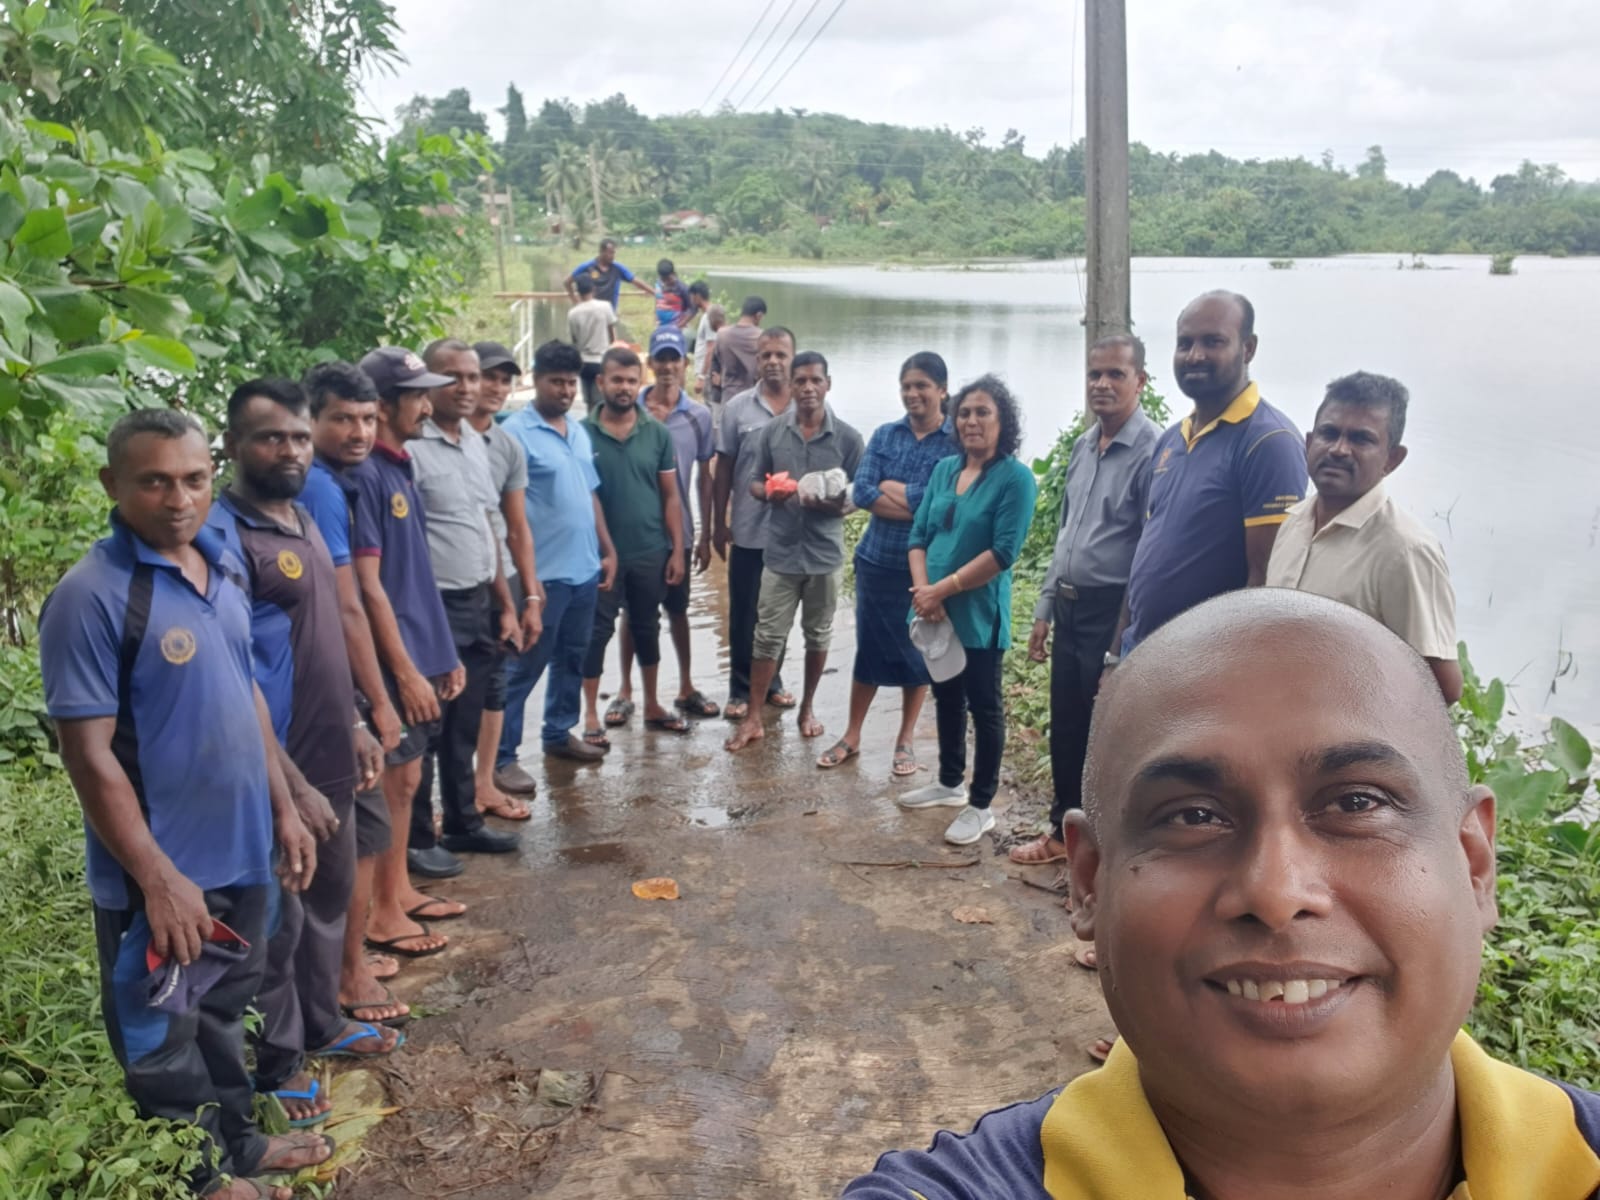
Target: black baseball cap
394, 368
492, 356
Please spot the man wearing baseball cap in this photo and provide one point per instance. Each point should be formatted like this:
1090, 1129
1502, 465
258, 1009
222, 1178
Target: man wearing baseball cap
389, 546
498, 789
693, 444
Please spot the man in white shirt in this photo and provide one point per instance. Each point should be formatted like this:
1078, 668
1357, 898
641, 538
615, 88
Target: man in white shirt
591, 327
1352, 543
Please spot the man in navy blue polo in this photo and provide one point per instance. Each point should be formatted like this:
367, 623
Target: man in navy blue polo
145, 651
1221, 480
344, 423
304, 674
575, 559
389, 546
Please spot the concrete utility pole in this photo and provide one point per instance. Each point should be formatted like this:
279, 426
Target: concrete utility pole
1106, 153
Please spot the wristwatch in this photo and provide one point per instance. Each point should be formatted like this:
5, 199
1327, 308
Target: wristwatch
1111, 659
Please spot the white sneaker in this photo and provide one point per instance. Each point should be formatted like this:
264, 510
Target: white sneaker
970, 825
933, 795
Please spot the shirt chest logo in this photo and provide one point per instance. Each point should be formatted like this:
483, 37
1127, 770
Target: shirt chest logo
177, 645
399, 506
289, 563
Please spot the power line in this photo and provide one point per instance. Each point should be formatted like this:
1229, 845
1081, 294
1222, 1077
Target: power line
782, 50
821, 29
737, 54
765, 42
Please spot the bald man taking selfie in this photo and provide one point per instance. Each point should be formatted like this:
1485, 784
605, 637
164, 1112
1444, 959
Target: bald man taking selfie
1287, 878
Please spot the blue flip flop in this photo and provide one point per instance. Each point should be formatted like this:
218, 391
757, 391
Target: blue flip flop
363, 1030
310, 1097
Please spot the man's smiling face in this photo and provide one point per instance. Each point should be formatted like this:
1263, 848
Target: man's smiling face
1283, 869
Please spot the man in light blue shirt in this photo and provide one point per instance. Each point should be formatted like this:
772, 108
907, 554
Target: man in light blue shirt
574, 556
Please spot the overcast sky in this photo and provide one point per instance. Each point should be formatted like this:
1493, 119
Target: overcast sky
1473, 85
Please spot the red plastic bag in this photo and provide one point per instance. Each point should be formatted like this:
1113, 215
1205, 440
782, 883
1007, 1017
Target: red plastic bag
781, 485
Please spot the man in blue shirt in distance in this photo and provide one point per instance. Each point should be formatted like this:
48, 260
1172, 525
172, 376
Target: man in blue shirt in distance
574, 559
145, 652
1221, 480
608, 275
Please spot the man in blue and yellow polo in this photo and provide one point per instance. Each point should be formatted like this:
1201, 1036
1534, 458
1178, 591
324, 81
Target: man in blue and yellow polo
1288, 877
1221, 480
145, 652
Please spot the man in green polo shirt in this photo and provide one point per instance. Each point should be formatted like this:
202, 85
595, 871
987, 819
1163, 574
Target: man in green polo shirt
638, 469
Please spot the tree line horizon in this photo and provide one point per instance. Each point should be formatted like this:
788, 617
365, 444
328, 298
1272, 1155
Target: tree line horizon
822, 185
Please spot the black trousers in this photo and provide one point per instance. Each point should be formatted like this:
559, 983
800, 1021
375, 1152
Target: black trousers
188, 1067
975, 690
744, 597
641, 585
1083, 628
299, 993
454, 746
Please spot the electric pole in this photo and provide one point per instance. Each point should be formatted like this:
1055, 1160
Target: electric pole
1108, 308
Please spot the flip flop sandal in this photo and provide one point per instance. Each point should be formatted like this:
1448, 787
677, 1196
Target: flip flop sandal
393, 946
1038, 853
363, 1031
667, 724
781, 700
310, 1097
617, 713
905, 762
1093, 1049
597, 739
831, 757
696, 705
416, 913
736, 710
264, 1190
353, 1011
268, 1167
381, 966
513, 811
1084, 956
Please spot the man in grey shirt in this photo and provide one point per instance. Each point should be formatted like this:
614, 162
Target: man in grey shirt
451, 466
1101, 514
742, 539
805, 542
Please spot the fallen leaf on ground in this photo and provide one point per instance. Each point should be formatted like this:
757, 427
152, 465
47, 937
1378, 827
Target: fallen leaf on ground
660, 888
969, 914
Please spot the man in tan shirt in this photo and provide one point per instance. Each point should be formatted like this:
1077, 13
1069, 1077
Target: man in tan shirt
1352, 543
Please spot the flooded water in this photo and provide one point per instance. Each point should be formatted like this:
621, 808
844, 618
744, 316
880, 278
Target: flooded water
1505, 453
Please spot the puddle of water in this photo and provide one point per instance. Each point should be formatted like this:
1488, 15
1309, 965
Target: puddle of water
709, 816
594, 854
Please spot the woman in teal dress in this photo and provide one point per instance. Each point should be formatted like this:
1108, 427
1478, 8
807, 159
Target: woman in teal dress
968, 531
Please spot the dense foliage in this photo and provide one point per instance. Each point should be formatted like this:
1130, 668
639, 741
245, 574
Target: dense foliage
820, 185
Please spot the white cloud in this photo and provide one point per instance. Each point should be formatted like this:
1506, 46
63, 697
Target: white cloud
1474, 85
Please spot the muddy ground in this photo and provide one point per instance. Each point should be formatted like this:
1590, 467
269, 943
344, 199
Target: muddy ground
809, 1002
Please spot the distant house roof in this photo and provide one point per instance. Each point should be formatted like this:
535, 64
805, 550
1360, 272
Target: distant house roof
686, 218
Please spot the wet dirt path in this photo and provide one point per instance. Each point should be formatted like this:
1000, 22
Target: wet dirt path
794, 1014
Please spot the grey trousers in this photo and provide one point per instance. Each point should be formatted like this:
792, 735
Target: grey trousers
299, 993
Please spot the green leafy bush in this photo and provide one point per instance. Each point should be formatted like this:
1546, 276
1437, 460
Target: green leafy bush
67, 1127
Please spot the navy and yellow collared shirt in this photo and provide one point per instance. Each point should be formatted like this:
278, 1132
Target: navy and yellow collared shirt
1207, 486
1522, 1138
126, 635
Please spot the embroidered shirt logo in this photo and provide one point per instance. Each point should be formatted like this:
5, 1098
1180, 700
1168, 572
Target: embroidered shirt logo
399, 507
289, 563
177, 645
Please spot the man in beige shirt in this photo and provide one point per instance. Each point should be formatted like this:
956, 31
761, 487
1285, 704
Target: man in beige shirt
1352, 543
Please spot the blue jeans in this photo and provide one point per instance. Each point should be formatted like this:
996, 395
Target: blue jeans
568, 624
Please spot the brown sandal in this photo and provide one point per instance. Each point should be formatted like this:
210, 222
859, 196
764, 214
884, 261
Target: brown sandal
1038, 853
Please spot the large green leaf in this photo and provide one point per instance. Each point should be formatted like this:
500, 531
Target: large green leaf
1569, 750
44, 234
84, 362
168, 354
15, 308
256, 210
1524, 794
73, 313
155, 312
